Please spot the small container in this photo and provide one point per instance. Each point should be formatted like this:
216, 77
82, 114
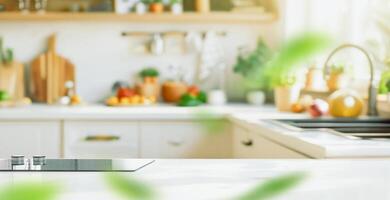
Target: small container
177, 8
140, 8
216, 97
202, 6
24, 5
40, 5
255, 98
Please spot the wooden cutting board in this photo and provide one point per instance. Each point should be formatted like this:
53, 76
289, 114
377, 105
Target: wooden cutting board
12, 79
49, 73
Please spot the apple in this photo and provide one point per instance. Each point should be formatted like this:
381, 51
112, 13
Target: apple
125, 92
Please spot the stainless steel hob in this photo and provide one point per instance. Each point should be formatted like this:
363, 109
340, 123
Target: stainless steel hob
19, 163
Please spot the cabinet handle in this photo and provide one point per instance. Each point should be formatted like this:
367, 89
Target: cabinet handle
101, 138
247, 143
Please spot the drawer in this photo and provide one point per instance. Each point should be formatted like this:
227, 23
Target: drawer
30, 138
100, 139
183, 140
248, 144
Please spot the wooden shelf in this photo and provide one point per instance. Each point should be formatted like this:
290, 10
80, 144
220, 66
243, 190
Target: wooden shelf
214, 17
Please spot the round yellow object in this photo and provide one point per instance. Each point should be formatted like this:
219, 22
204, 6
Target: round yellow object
125, 101
344, 103
112, 101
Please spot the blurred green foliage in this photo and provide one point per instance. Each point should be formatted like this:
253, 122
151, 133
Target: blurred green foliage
274, 187
29, 191
292, 55
129, 188
384, 85
209, 122
264, 69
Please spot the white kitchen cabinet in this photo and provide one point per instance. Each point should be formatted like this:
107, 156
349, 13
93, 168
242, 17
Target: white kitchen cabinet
184, 139
30, 138
250, 144
101, 139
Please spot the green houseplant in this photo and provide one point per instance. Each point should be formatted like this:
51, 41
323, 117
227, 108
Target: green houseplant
276, 70
6, 55
250, 65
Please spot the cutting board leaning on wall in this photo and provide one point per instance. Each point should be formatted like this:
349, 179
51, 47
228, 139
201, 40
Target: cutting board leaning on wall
49, 73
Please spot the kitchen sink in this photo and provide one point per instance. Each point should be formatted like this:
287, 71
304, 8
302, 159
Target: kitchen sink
352, 128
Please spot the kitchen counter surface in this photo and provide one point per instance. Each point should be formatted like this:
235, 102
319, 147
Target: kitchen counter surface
315, 144
155, 112
226, 179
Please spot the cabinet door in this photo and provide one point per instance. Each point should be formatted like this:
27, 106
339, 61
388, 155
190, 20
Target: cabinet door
30, 138
100, 139
249, 144
176, 139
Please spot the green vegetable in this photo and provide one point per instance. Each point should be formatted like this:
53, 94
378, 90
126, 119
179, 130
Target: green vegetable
274, 187
6, 55
149, 72
4, 96
188, 100
384, 83
202, 96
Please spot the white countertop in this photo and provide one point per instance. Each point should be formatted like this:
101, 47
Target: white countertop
316, 144
154, 112
226, 179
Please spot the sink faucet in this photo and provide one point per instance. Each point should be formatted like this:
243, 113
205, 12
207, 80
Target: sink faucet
372, 91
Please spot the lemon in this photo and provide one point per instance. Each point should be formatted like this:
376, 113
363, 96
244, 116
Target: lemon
345, 103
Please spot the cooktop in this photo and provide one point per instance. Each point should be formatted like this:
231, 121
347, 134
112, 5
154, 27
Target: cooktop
41, 164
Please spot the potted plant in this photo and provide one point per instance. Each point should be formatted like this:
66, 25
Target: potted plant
250, 66
156, 6
337, 78
177, 6
6, 55
149, 87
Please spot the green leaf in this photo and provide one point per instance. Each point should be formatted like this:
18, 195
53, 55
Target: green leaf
129, 188
149, 72
30, 191
274, 187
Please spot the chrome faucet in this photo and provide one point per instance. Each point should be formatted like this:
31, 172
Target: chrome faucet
372, 91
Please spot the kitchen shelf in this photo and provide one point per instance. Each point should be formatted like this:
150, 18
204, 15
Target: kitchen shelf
190, 17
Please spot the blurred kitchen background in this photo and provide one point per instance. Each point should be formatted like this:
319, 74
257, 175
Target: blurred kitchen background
208, 41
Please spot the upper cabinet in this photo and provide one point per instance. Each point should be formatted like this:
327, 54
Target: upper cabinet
190, 11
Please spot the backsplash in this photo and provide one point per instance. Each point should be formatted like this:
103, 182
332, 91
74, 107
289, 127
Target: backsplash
102, 56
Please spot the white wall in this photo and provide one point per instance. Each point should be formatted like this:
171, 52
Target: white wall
103, 56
